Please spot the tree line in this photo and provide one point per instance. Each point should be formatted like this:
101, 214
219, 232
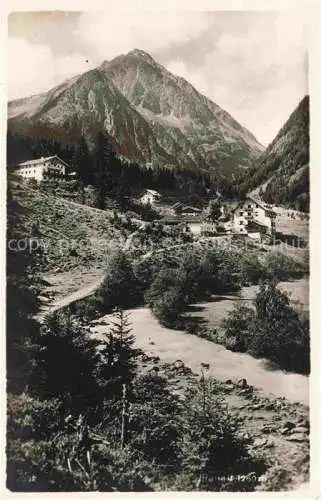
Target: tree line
97, 165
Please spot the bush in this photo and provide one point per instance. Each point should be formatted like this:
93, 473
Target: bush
282, 267
153, 426
239, 328
212, 446
168, 306
120, 287
273, 330
64, 364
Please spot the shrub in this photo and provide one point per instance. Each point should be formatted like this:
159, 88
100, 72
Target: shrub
65, 363
212, 446
282, 267
282, 334
153, 425
273, 330
168, 306
238, 328
120, 287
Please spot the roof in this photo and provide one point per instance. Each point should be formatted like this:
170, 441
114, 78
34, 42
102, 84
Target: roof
152, 191
193, 209
39, 160
265, 207
253, 225
180, 220
268, 210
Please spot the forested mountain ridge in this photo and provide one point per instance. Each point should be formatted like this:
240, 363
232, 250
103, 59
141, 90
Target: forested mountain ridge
282, 172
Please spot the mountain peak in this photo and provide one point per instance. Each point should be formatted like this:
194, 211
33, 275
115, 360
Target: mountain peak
151, 114
141, 54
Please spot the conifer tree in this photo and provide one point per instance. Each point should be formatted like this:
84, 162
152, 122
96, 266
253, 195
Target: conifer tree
118, 357
65, 363
105, 165
81, 162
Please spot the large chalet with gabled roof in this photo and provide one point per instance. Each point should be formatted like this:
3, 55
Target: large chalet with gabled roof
42, 168
250, 216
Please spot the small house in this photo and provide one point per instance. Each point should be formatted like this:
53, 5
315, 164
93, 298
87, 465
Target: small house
150, 197
190, 211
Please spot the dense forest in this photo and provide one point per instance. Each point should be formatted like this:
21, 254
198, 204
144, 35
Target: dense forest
284, 166
97, 165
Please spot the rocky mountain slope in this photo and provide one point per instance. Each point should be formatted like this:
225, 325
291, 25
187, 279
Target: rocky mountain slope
282, 175
152, 117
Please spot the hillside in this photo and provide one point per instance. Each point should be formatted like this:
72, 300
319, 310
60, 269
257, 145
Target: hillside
282, 174
152, 118
67, 236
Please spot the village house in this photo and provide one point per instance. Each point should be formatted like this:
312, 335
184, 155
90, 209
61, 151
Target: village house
186, 210
150, 196
41, 168
253, 218
190, 211
209, 228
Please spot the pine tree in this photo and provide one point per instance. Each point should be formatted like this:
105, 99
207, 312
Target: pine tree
81, 162
213, 210
105, 166
65, 363
118, 357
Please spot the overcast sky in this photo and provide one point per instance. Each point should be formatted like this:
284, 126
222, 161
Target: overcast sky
253, 64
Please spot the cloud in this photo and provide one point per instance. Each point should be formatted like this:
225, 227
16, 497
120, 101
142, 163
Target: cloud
115, 32
32, 68
28, 68
257, 74
36, 67
253, 64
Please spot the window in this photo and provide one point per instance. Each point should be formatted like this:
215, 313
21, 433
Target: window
241, 223
241, 213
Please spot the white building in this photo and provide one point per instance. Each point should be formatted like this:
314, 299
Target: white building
251, 211
150, 196
209, 228
51, 166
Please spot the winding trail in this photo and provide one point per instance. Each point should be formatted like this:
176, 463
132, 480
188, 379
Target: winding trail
62, 302
171, 345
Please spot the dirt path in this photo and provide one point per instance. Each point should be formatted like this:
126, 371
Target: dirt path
92, 283
171, 345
